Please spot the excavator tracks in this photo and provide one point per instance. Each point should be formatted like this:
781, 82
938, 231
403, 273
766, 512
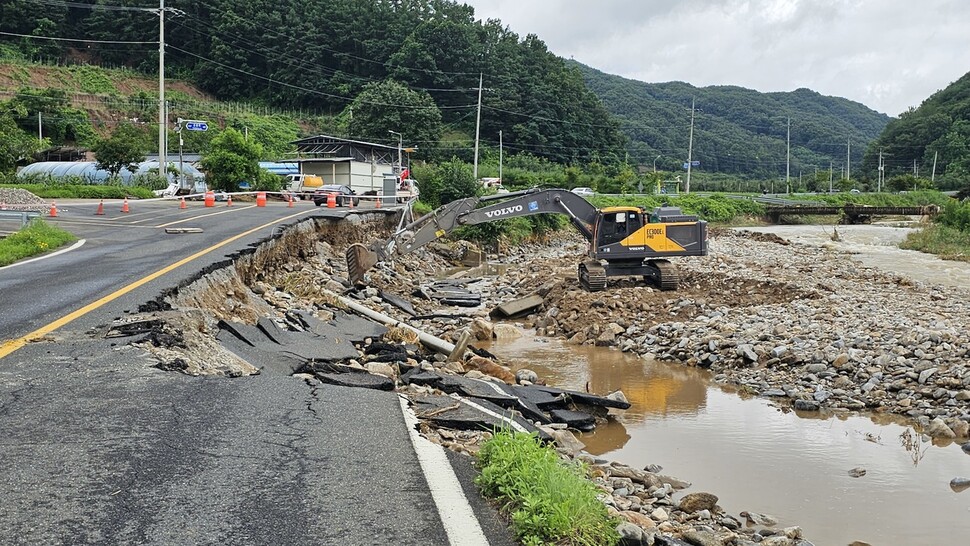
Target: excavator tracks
666, 277
592, 275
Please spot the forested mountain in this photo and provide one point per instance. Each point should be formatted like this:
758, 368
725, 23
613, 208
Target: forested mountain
736, 130
939, 130
322, 54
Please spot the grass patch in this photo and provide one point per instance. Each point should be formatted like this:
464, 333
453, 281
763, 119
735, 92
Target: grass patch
37, 238
946, 242
83, 191
549, 501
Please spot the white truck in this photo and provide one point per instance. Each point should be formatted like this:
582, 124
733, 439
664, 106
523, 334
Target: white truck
302, 186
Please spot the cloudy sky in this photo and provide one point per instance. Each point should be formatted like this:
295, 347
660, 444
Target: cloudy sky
887, 54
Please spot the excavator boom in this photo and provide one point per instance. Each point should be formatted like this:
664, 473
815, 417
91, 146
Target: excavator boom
470, 211
624, 241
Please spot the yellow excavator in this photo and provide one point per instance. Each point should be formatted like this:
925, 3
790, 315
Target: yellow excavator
623, 241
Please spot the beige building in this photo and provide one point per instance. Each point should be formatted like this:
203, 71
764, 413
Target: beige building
360, 165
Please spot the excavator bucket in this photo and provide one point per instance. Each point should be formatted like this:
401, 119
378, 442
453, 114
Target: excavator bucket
359, 261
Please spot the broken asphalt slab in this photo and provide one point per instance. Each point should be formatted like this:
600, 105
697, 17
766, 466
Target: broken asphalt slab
271, 348
448, 412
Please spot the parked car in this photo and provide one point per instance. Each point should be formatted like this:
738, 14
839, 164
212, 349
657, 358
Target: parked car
344, 195
583, 192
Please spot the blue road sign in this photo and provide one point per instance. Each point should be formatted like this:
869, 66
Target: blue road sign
197, 126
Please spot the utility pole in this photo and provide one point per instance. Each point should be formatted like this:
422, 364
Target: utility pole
933, 177
788, 160
500, 156
40, 128
915, 172
478, 123
400, 144
831, 172
879, 178
690, 146
162, 111
848, 159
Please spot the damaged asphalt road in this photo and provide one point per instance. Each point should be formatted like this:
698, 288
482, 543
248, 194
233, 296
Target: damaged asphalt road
98, 446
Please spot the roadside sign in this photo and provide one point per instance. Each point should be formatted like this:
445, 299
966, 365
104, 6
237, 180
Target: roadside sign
196, 125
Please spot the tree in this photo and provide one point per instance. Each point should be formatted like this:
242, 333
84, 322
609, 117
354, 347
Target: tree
231, 159
16, 145
390, 106
124, 149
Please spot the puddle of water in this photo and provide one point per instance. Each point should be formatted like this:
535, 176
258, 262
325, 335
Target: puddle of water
876, 246
759, 458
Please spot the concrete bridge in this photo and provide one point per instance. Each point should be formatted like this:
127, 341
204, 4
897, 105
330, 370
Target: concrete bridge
851, 214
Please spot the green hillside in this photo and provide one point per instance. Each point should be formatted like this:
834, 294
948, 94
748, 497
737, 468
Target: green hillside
939, 130
325, 55
736, 130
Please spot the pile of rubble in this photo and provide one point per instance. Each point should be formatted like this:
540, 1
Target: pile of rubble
21, 199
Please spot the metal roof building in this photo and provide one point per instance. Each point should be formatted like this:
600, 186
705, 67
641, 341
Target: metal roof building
355, 163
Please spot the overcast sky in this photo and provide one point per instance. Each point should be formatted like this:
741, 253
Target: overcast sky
887, 54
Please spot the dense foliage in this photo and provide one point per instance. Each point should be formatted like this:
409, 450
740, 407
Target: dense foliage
736, 130
232, 160
320, 55
931, 139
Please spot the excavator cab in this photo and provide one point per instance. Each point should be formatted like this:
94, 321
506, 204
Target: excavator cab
627, 241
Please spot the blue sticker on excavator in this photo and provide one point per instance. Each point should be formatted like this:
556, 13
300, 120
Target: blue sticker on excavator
533, 206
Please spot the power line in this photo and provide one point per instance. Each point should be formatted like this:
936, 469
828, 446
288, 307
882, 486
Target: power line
335, 52
75, 39
102, 7
292, 62
314, 91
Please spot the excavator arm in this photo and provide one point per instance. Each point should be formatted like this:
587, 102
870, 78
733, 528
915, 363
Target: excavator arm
469, 211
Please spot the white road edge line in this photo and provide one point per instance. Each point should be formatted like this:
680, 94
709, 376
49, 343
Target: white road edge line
45, 256
456, 514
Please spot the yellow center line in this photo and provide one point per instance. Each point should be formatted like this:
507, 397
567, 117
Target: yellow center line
223, 211
12, 345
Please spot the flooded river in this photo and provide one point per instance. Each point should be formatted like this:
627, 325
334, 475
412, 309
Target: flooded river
759, 458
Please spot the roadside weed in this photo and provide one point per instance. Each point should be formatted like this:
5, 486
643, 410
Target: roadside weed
548, 500
37, 238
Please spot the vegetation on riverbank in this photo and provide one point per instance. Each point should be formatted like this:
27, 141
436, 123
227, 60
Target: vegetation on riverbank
549, 501
948, 237
37, 238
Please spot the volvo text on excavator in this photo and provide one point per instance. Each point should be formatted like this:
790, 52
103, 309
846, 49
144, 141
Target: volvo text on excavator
623, 241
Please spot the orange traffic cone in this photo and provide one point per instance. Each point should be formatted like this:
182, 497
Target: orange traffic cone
350, 203
182, 205
100, 211
124, 205
331, 201
53, 210
3, 205
290, 202
377, 203
229, 201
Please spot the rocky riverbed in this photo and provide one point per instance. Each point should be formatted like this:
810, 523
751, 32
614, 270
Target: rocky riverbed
804, 326
807, 326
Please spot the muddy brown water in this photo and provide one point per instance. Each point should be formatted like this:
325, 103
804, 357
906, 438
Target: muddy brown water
758, 457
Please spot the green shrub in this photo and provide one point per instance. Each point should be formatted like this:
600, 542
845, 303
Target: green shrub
38, 237
946, 242
549, 501
84, 191
956, 215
